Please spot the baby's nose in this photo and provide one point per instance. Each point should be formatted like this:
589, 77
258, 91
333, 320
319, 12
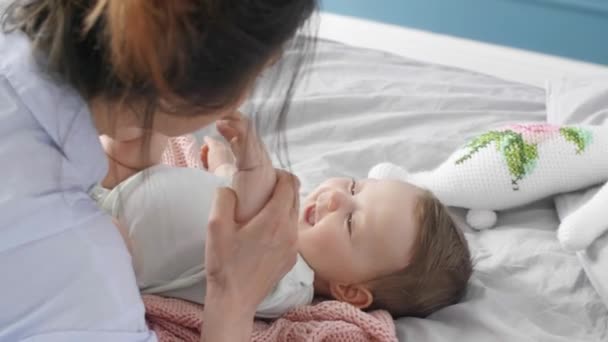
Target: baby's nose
332, 201
332, 204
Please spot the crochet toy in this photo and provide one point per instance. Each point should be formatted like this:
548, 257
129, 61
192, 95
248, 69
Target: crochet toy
517, 165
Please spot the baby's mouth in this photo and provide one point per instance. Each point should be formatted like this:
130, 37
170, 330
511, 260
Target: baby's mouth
309, 215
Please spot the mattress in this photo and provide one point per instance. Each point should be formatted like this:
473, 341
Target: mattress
360, 107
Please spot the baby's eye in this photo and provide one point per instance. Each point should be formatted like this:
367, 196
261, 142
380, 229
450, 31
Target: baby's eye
349, 223
352, 187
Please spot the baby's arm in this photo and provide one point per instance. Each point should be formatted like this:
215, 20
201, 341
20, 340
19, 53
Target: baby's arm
248, 162
217, 158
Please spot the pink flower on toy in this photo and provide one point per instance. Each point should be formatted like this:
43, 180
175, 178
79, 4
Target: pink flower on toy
535, 133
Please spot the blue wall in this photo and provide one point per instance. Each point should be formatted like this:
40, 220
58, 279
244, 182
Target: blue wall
571, 28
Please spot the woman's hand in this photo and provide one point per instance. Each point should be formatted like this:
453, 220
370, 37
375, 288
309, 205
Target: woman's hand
244, 262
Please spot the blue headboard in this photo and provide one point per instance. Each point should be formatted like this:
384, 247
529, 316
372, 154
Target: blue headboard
575, 29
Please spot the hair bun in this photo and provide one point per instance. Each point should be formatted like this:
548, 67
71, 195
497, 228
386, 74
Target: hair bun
143, 37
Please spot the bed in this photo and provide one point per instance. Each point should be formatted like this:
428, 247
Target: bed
362, 106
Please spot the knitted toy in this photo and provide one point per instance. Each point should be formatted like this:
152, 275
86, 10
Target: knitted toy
517, 165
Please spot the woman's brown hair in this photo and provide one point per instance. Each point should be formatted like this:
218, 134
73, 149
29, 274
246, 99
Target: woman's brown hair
439, 271
186, 57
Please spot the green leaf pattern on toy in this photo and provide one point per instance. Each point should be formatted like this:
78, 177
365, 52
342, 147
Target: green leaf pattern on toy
520, 156
480, 142
578, 136
519, 145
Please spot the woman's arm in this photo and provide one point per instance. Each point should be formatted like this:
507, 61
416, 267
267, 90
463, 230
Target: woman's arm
245, 160
224, 319
245, 261
255, 177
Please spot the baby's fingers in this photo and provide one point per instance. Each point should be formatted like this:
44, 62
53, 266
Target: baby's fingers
233, 127
236, 132
205, 156
209, 145
227, 130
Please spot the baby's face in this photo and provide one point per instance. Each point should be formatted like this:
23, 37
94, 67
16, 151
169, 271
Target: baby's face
352, 232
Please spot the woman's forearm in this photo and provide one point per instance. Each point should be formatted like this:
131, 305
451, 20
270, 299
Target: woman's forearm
225, 320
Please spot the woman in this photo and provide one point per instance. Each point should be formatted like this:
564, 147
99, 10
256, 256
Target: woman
131, 71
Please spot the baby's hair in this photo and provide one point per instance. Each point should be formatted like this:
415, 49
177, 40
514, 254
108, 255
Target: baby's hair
439, 270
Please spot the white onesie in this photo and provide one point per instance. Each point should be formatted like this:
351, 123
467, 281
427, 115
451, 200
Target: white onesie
166, 210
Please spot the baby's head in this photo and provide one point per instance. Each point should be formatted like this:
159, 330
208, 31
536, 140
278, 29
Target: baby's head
383, 244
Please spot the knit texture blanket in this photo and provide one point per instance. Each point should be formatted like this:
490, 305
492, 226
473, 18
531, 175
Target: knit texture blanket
183, 151
179, 320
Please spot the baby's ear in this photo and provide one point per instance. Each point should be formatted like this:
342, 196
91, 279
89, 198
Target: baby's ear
357, 295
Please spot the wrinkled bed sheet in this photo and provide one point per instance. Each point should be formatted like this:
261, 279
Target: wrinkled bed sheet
361, 107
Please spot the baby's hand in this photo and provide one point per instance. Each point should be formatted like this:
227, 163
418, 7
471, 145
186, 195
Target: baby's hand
255, 176
215, 153
247, 148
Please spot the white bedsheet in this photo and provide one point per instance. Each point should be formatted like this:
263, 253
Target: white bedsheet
361, 107
575, 100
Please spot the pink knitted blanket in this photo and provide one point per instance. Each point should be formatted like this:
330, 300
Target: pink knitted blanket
183, 151
176, 320
179, 320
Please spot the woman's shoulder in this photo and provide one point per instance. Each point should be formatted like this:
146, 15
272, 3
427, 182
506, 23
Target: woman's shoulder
19, 61
46, 130
25, 79
49, 147
13, 46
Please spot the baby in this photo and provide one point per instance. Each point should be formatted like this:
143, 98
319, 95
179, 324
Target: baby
376, 244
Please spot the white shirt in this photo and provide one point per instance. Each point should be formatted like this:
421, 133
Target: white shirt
66, 273
166, 210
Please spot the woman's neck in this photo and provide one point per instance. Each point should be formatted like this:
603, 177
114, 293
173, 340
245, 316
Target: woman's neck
130, 149
100, 112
